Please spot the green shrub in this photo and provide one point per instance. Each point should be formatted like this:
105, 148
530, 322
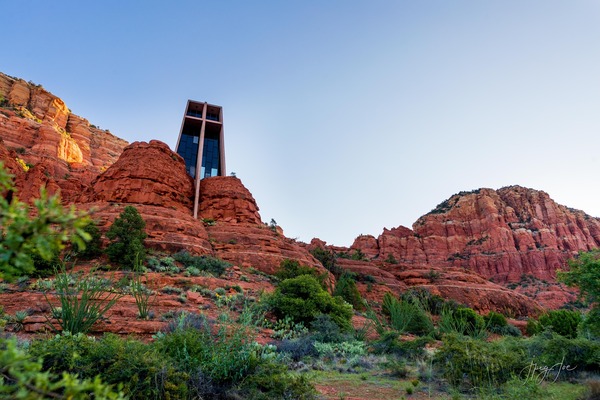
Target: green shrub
479, 364
324, 330
127, 238
272, 380
563, 322
225, 355
407, 315
45, 234
495, 322
551, 349
327, 258
44, 268
390, 343
346, 288
23, 378
209, 264
591, 323
533, 327
142, 372
303, 299
93, 247
462, 320
289, 269
431, 303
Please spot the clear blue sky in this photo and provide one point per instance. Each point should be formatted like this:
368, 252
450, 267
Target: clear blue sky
341, 117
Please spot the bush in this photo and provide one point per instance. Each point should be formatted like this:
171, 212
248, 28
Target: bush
289, 269
390, 343
93, 247
563, 322
476, 363
141, 371
591, 323
127, 238
407, 315
325, 330
551, 349
303, 299
209, 264
22, 378
299, 348
463, 320
346, 288
495, 322
273, 381
225, 355
327, 258
45, 234
429, 302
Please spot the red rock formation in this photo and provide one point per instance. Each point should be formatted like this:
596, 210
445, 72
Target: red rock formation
146, 173
501, 234
41, 127
225, 199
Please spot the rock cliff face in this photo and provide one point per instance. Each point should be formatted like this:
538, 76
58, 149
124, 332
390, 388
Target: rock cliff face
501, 234
64, 150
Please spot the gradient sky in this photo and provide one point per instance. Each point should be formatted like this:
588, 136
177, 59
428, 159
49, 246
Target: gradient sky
341, 117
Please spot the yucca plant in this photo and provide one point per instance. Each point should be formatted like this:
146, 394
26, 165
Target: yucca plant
83, 301
140, 292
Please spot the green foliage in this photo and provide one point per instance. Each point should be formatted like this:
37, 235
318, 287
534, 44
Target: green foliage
346, 288
550, 349
406, 315
83, 301
21, 377
431, 303
463, 320
46, 234
358, 255
225, 355
93, 248
327, 259
272, 380
141, 293
563, 322
391, 259
303, 299
212, 265
390, 343
591, 323
291, 269
476, 363
141, 371
584, 272
127, 238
